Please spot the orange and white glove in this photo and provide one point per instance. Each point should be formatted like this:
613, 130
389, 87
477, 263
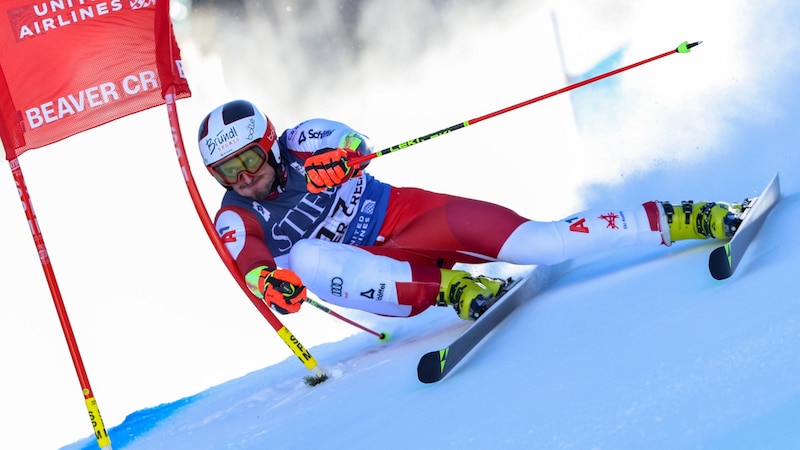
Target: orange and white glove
282, 290
328, 168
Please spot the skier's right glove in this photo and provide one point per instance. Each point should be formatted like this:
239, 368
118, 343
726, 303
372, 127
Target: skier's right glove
282, 290
327, 168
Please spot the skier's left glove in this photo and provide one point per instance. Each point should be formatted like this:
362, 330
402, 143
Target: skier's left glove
282, 290
328, 168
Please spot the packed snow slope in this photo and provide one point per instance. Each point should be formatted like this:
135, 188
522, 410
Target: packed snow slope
630, 349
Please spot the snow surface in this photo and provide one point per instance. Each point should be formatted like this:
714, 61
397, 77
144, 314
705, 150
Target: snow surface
632, 349
635, 348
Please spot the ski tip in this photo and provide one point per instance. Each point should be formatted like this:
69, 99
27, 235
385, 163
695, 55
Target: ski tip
431, 367
719, 263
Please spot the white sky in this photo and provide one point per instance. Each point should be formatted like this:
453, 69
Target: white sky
155, 313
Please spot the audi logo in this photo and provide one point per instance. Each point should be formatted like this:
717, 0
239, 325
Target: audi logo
336, 286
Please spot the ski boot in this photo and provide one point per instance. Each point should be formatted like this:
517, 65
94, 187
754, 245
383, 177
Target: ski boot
702, 220
470, 296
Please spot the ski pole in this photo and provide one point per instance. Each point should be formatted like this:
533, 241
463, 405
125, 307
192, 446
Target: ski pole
383, 337
685, 47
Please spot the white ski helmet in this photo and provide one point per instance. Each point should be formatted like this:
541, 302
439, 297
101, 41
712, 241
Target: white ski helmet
234, 126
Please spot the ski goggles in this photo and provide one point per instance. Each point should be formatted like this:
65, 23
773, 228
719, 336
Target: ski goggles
249, 160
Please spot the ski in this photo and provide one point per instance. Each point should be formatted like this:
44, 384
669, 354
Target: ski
434, 365
724, 259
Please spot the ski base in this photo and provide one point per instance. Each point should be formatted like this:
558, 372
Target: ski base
723, 260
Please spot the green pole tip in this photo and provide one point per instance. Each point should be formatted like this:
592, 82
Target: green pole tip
384, 337
686, 47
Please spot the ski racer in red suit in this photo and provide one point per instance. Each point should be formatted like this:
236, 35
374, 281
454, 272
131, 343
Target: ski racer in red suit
297, 216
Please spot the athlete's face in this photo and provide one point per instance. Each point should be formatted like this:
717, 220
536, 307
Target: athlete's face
257, 186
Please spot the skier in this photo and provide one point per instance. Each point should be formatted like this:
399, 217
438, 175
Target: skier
298, 216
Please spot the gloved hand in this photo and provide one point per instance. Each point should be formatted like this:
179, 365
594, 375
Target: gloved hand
328, 168
283, 290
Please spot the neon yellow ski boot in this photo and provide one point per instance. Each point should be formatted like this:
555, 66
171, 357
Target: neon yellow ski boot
702, 220
470, 296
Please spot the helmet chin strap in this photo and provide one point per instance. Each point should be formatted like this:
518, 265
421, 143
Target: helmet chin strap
278, 181
277, 188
